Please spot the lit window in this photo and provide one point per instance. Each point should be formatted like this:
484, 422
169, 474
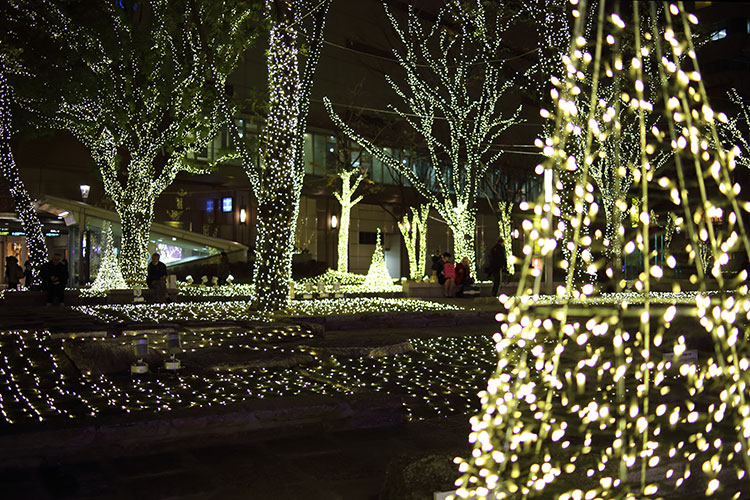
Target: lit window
718, 35
210, 206
226, 204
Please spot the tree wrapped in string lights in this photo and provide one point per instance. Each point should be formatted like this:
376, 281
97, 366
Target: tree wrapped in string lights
32, 226
350, 180
594, 396
455, 80
295, 42
414, 231
736, 131
137, 90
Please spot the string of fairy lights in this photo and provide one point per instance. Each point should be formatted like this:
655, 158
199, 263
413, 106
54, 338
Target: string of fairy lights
732, 131
414, 231
279, 177
350, 180
474, 120
32, 226
40, 385
378, 276
640, 394
505, 210
152, 100
109, 276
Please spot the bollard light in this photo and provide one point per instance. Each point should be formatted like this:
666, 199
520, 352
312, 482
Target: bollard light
174, 346
140, 347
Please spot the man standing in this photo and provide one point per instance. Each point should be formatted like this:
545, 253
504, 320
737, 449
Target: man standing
498, 263
156, 279
54, 277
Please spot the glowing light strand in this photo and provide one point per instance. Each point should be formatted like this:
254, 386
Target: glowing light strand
36, 246
474, 121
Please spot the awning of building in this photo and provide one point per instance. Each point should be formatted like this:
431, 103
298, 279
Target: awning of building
175, 245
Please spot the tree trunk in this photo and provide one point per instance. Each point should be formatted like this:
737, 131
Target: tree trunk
280, 182
135, 220
504, 230
343, 242
420, 219
273, 250
409, 231
463, 229
30, 223
614, 218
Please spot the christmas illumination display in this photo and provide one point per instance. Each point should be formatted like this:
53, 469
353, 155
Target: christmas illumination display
277, 179
137, 91
441, 93
593, 400
735, 131
38, 386
378, 275
504, 224
414, 231
348, 283
554, 34
32, 227
238, 310
109, 276
350, 180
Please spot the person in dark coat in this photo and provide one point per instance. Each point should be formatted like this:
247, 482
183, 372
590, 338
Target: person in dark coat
156, 279
463, 276
27, 274
222, 270
54, 277
436, 263
13, 272
498, 262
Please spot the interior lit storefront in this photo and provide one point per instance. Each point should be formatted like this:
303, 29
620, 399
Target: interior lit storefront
77, 231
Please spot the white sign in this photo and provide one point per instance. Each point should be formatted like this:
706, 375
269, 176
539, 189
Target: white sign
689, 356
444, 494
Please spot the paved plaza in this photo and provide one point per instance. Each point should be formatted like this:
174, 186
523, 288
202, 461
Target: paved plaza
364, 440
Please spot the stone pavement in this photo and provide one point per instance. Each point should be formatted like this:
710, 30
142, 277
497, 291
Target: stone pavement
289, 461
350, 465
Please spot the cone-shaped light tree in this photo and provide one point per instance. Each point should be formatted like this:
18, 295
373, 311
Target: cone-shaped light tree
137, 90
378, 277
593, 400
455, 81
109, 276
24, 206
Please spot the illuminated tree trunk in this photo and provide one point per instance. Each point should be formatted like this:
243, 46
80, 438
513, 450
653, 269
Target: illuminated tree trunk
273, 250
414, 231
278, 193
24, 206
411, 234
136, 219
458, 120
463, 224
504, 226
348, 187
